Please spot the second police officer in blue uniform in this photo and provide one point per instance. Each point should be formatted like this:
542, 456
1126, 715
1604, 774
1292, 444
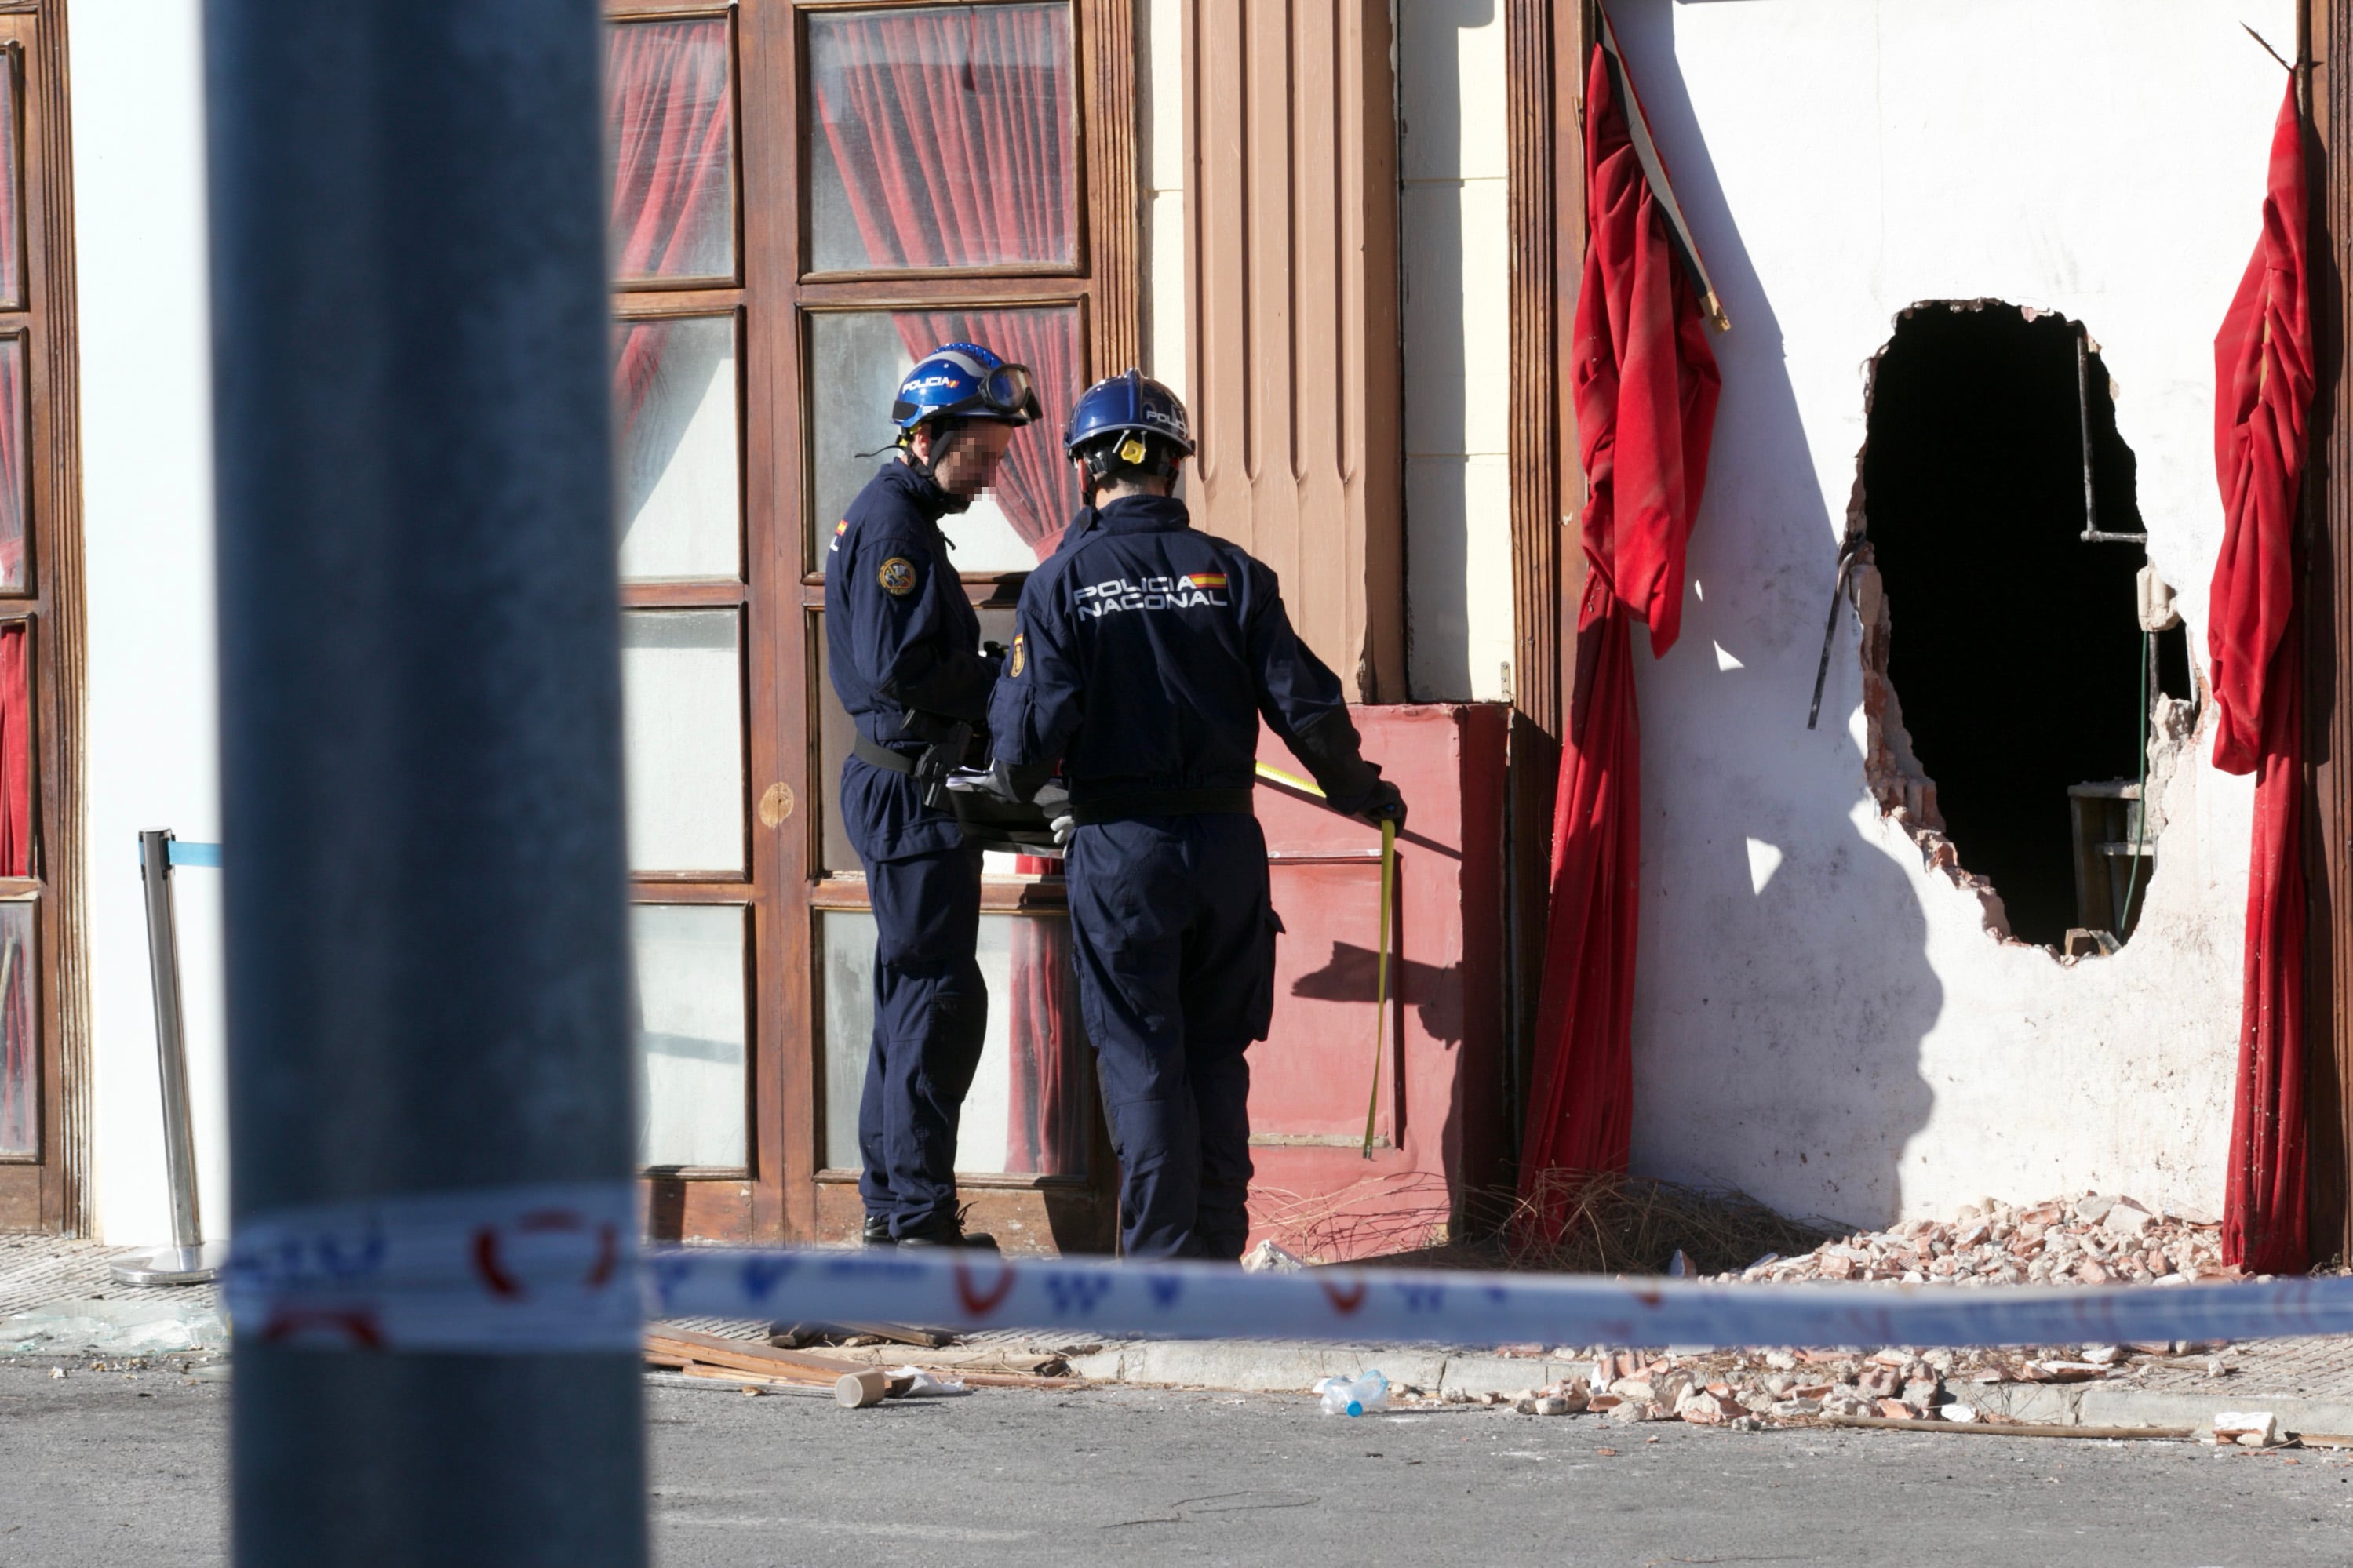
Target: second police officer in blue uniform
905, 649
1146, 655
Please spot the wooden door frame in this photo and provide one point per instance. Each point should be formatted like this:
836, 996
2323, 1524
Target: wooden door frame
780, 1196
55, 1192
1547, 45
2326, 608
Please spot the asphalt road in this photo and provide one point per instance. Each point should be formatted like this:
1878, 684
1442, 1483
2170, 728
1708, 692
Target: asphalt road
107, 1468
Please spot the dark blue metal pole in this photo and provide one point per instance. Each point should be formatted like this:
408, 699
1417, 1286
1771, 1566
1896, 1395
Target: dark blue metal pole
420, 734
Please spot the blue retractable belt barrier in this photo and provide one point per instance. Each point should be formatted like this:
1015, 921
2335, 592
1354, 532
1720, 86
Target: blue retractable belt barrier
185, 853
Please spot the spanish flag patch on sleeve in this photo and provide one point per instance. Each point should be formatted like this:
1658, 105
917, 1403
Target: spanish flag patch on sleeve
1207, 581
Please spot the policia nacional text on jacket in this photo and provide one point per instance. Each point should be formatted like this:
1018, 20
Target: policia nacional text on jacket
1144, 657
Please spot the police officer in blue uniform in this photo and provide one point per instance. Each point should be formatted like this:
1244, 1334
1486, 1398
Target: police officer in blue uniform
1145, 655
907, 662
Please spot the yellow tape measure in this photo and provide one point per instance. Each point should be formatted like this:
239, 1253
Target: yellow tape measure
1381, 985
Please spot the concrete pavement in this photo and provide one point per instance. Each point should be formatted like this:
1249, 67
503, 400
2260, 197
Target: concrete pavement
106, 1468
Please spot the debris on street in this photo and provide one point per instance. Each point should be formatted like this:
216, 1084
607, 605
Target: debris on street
2085, 1240
2094, 1239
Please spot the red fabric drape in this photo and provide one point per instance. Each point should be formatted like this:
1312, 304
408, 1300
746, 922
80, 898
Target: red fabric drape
672, 129
19, 1079
1645, 387
2263, 392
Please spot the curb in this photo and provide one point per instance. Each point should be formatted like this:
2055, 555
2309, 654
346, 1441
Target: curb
1285, 1366
2103, 1405
1291, 1366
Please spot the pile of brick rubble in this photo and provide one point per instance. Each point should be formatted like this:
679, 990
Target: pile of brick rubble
2092, 1240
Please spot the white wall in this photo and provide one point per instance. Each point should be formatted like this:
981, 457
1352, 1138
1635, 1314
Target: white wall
1453, 221
1454, 240
1160, 179
146, 460
1843, 1036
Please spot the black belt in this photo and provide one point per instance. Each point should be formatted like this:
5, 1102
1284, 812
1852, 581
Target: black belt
882, 756
1163, 803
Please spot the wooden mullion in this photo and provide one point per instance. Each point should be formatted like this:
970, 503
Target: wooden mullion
641, 304
934, 293
689, 888
715, 594
2326, 609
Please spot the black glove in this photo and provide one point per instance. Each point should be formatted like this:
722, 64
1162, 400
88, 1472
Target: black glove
1388, 805
995, 650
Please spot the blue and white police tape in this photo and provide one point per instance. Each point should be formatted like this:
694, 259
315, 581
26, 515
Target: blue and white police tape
556, 1268
1201, 1300
550, 1268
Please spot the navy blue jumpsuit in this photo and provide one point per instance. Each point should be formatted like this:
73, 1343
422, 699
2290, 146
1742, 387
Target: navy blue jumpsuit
900, 634
1146, 655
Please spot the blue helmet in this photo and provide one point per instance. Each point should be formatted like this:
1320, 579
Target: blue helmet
965, 381
1130, 402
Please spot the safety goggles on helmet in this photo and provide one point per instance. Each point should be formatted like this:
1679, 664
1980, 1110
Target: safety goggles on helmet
965, 381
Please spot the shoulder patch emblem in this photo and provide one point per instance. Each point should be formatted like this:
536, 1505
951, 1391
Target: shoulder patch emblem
1020, 658
897, 576
839, 530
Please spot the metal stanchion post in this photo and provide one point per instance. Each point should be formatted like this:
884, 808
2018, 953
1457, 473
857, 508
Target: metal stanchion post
420, 708
189, 1260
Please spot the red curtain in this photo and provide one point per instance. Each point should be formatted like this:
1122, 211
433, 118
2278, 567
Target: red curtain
1645, 387
952, 131
20, 1085
2263, 392
667, 104
1035, 487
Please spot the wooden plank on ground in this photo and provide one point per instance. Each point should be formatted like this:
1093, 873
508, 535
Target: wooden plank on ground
742, 1356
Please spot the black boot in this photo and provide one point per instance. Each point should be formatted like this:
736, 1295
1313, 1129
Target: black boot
945, 1228
877, 1230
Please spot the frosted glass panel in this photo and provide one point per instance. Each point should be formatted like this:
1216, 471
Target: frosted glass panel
670, 149
682, 737
12, 188
674, 409
941, 137
860, 358
1031, 1109
690, 1034
20, 1060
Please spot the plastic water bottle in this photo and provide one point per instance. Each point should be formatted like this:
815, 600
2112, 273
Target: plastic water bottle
1346, 1396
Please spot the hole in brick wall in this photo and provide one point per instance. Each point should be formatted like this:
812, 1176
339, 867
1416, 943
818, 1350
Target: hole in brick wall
2010, 649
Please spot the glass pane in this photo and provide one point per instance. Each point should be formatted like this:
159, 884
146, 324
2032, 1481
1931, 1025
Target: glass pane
12, 187
20, 1057
674, 410
669, 146
690, 1034
682, 739
859, 358
941, 137
1030, 1108
14, 476
836, 734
